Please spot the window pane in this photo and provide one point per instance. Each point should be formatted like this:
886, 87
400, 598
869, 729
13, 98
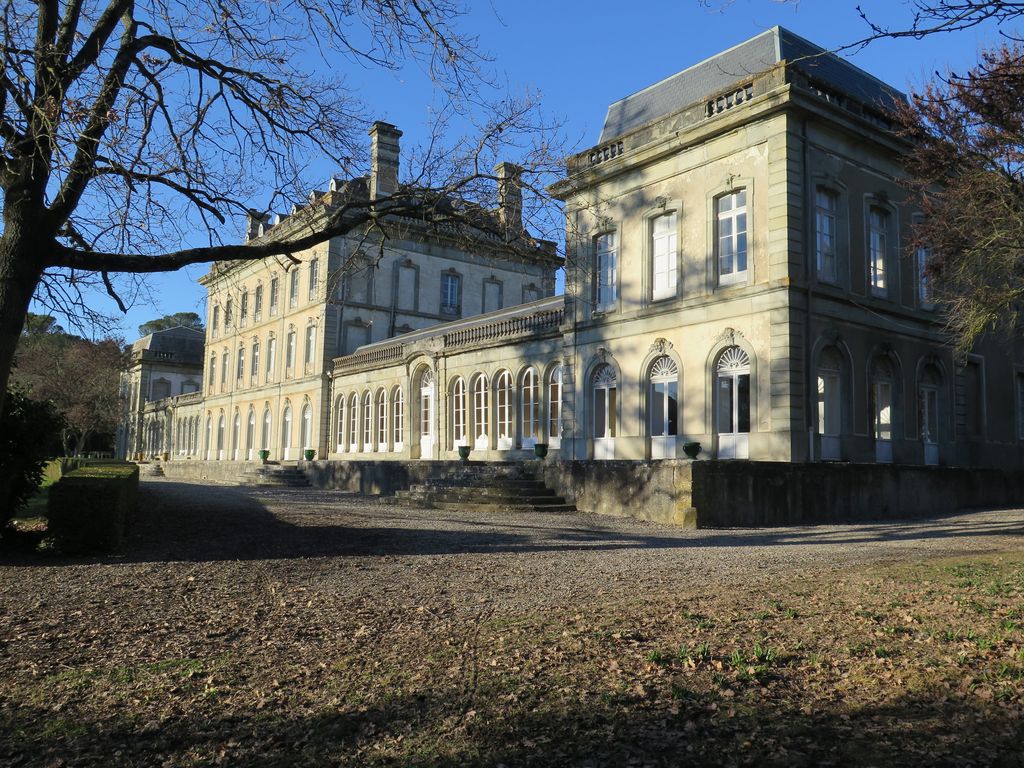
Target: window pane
672, 407
743, 403
611, 412
600, 412
725, 384
658, 409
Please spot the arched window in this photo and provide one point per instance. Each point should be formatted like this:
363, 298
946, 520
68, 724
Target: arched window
382, 420
398, 419
250, 435
555, 407
504, 410
529, 408
236, 436
220, 437
663, 407
605, 391
267, 426
427, 414
481, 441
882, 380
286, 432
732, 403
306, 430
367, 421
340, 440
353, 422
830, 403
459, 414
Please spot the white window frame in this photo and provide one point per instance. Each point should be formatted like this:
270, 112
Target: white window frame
481, 419
367, 414
398, 419
271, 357
554, 415
504, 409
826, 208
382, 420
451, 290
603, 421
606, 269
664, 256
878, 246
730, 242
293, 288
459, 413
530, 409
314, 278
924, 288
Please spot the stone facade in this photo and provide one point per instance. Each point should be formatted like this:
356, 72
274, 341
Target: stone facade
737, 275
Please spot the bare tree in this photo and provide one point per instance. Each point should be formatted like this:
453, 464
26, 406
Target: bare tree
129, 125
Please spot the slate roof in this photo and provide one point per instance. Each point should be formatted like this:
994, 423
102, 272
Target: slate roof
757, 54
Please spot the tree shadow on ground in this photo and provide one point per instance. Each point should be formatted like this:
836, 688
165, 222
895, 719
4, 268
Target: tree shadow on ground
234, 523
453, 727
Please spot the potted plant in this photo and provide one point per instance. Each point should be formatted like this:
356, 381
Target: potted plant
691, 449
309, 453
264, 454
540, 450
464, 453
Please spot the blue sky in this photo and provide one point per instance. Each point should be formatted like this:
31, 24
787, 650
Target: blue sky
581, 56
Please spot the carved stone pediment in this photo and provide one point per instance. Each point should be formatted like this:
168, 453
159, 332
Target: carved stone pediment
660, 346
729, 336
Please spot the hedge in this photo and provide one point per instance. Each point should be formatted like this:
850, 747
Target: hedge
91, 508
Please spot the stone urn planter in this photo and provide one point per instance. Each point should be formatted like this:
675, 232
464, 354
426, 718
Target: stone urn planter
540, 450
464, 453
309, 453
264, 455
691, 449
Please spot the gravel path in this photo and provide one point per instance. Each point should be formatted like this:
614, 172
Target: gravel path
363, 546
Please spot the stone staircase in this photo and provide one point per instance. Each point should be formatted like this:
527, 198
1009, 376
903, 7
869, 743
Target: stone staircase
276, 475
486, 488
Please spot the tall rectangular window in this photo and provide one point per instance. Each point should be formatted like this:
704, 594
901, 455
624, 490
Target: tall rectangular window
293, 288
825, 204
227, 314
274, 291
731, 236
271, 358
224, 368
243, 309
215, 323
254, 366
882, 395
607, 262
310, 344
240, 367
878, 230
289, 352
665, 261
973, 406
450, 290
314, 277
924, 288
257, 303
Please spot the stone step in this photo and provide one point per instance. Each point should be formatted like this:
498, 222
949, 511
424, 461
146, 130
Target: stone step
469, 494
513, 507
533, 501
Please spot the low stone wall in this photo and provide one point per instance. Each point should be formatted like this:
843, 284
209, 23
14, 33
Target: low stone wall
733, 493
648, 490
725, 494
374, 477
212, 471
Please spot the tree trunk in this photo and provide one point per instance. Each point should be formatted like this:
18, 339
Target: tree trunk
19, 276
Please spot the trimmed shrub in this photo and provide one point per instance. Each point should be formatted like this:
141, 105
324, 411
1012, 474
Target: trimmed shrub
28, 431
91, 508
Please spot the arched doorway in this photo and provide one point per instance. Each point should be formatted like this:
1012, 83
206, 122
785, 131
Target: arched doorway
426, 410
604, 385
732, 406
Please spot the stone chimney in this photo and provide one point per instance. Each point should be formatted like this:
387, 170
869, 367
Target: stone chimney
510, 198
383, 160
